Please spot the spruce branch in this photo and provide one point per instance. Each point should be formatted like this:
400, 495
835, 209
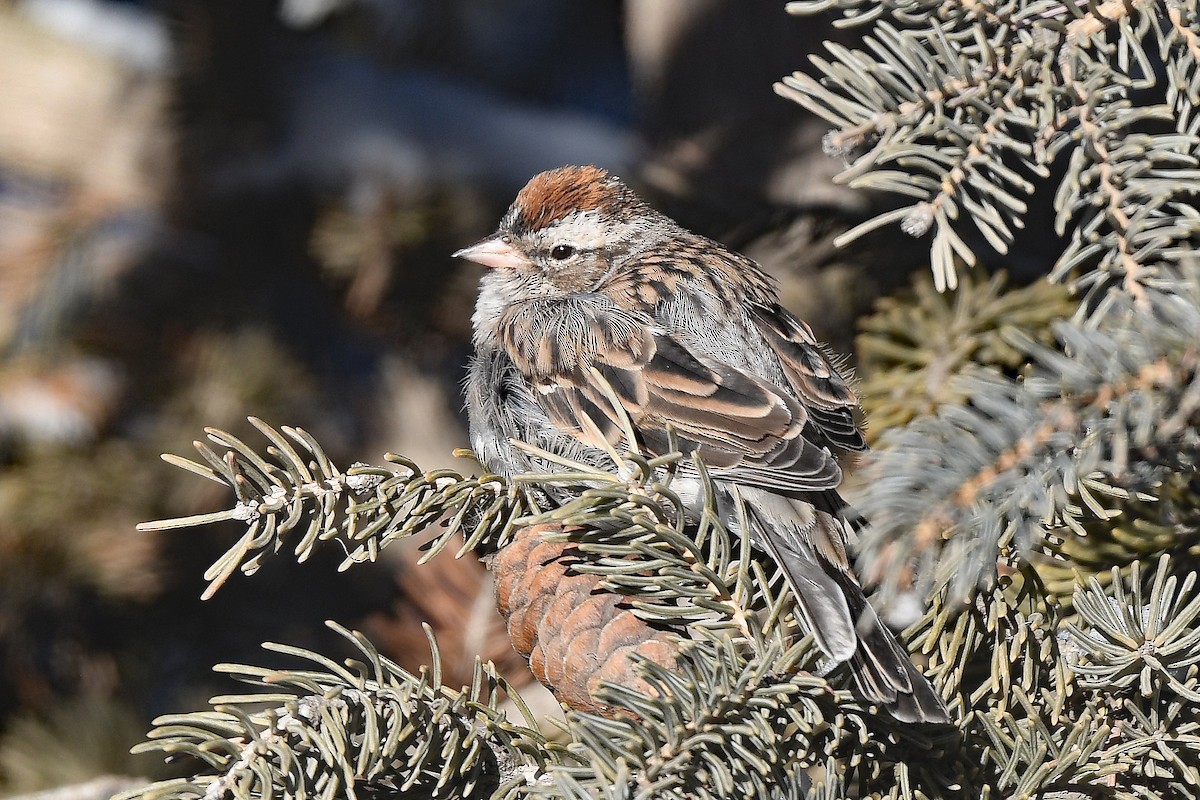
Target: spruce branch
744, 709
294, 490
717, 725
636, 536
1002, 639
964, 107
1140, 639
360, 729
1183, 67
1133, 528
1102, 703
1133, 650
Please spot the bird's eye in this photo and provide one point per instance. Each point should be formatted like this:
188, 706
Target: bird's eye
561, 252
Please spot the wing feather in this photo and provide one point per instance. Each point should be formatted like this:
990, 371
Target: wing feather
745, 428
826, 394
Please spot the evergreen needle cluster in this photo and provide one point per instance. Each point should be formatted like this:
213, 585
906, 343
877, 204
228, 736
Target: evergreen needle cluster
964, 108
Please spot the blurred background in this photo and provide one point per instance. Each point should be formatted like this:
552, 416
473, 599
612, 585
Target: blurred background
216, 208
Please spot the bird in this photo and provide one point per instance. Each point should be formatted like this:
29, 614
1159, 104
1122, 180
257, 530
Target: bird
592, 299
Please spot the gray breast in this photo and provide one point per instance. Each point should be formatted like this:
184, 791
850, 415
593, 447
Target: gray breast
501, 407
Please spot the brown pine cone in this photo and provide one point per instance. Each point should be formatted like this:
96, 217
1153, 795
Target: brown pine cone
574, 633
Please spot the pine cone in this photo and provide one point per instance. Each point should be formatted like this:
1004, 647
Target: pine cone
575, 633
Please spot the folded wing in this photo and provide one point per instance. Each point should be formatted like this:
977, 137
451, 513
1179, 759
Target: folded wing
591, 363
825, 393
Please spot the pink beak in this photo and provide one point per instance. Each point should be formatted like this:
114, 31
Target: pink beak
494, 252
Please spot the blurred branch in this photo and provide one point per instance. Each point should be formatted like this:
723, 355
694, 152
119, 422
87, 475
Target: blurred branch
911, 350
1113, 415
102, 788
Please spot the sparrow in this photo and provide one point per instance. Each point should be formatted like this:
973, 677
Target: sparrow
592, 298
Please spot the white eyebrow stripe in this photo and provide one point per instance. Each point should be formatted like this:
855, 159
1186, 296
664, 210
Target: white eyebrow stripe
579, 228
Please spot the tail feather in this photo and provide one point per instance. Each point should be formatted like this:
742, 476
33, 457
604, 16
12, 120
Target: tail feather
820, 600
883, 670
844, 625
